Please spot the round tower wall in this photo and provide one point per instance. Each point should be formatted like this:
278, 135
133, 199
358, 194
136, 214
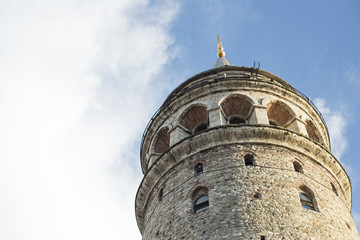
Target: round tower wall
275, 125
303, 151
234, 212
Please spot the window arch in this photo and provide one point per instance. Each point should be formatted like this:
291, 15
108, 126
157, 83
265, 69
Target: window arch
200, 199
307, 198
298, 167
280, 114
199, 168
236, 109
334, 189
162, 140
195, 119
313, 132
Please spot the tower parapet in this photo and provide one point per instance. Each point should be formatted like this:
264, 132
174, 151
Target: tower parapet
238, 153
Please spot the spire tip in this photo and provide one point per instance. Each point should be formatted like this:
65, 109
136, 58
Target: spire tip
220, 49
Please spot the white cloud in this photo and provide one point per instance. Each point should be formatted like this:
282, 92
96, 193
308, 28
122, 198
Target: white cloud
78, 81
336, 123
352, 74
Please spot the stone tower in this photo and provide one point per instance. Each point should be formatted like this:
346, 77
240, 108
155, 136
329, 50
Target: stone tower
238, 153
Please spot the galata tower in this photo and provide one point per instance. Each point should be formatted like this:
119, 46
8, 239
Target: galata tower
238, 153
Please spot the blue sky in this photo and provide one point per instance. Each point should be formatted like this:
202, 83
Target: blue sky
313, 45
79, 81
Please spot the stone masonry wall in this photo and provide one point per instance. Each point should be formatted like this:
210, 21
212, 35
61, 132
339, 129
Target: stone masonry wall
246, 202
233, 213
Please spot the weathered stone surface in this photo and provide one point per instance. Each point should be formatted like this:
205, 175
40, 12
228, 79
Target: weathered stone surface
233, 214
254, 197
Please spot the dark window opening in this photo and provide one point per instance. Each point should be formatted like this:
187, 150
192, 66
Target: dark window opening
236, 108
347, 224
201, 204
160, 196
262, 238
257, 195
194, 117
280, 114
236, 120
162, 141
298, 167
313, 132
334, 189
273, 123
249, 160
200, 128
306, 201
199, 168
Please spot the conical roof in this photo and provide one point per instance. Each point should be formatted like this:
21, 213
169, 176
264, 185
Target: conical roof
222, 62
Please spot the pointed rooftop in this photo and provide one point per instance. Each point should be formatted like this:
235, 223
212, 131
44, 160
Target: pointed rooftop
221, 61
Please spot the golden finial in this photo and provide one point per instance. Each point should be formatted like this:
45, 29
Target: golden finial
220, 49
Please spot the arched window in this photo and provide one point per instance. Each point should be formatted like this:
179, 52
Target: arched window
236, 109
313, 132
249, 160
199, 168
280, 114
200, 199
306, 201
307, 198
162, 140
298, 167
201, 204
195, 119
334, 189
161, 194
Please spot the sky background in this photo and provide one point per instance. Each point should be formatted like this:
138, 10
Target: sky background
80, 79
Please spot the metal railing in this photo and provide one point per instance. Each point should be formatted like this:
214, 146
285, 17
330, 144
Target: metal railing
313, 105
